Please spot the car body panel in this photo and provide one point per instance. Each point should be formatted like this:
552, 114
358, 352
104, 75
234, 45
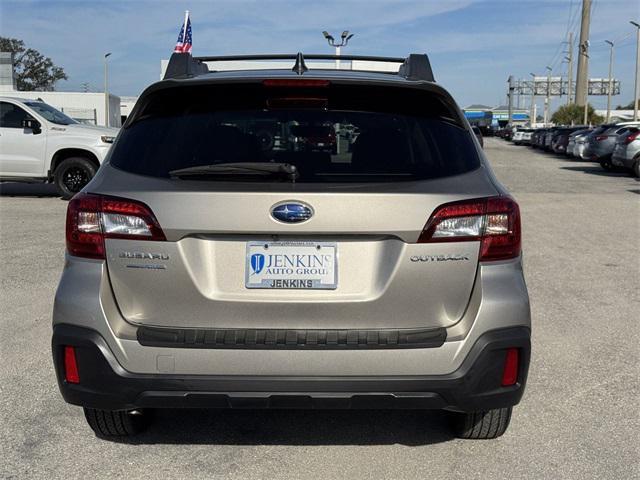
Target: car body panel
84, 298
375, 271
193, 277
626, 153
602, 142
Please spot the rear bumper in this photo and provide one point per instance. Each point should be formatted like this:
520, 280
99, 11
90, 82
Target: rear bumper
622, 161
474, 386
617, 161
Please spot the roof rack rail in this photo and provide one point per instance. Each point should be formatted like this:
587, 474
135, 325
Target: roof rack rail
415, 67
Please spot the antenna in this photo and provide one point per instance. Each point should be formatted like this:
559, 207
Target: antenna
300, 66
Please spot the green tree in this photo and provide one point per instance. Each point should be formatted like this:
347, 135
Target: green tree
628, 106
33, 70
574, 115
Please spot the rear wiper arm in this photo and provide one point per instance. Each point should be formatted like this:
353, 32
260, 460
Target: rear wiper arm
239, 168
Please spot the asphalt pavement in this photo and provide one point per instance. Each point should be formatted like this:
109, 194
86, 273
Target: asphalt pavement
579, 419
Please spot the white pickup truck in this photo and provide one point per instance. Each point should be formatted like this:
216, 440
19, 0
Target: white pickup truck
41, 144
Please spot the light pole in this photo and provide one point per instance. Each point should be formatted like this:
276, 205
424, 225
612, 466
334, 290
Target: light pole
569, 60
636, 90
610, 43
532, 112
548, 98
106, 90
569, 75
344, 40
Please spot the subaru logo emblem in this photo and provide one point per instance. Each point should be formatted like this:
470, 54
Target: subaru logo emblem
291, 212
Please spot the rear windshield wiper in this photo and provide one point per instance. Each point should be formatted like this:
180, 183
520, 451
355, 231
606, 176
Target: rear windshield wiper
238, 169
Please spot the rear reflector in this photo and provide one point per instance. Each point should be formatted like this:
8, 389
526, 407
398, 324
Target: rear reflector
92, 218
510, 372
495, 221
70, 365
276, 82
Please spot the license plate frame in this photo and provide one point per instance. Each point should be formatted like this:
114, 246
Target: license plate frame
267, 272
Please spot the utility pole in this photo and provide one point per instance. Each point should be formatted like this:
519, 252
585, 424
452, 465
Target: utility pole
548, 97
582, 82
586, 90
610, 80
510, 97
532, 112
570, 72
636, 90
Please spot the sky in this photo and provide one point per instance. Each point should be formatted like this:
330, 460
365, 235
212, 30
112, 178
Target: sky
474, 45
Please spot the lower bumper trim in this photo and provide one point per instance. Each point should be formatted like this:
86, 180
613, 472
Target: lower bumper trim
475, 386
279, 339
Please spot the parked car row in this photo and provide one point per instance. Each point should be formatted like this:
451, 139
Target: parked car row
613, 145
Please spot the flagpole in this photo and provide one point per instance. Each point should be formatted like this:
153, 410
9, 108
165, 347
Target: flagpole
184, 31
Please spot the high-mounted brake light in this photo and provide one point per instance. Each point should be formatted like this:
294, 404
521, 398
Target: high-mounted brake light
92, 218
495, 221
285, 82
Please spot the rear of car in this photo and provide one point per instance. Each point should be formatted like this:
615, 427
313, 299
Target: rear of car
576, 142
626, 153
560, 142
525, 139
536, 137
589, 140
602, 143
548, 139
208, 268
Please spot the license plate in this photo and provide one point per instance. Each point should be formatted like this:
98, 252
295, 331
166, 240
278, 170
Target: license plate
291, 265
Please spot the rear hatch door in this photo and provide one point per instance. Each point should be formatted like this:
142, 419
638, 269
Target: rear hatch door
233, 259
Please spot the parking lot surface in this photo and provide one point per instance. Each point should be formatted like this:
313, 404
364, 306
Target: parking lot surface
580, 416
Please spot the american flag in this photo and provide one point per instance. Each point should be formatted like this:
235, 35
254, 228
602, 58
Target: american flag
184, 43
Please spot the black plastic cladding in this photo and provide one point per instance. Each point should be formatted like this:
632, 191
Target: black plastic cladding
415, 67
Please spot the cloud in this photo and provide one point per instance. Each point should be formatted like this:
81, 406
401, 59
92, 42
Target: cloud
466, 39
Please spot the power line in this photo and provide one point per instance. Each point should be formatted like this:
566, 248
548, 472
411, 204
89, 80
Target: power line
558, 55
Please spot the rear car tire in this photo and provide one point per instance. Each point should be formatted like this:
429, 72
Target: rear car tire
72, 175
605, 163
635, 170
118, 423
482, 425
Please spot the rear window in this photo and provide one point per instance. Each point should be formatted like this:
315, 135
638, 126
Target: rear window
331, 134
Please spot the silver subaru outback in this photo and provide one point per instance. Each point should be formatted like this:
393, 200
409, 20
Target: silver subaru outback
299, 238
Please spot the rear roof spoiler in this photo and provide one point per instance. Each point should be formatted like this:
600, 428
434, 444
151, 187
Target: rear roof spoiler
415, 67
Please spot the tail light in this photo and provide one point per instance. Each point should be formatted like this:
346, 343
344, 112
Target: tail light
600, 138
92, 218
631, 137
495, 221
